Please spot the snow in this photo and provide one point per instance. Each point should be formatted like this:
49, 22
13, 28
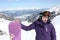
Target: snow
27, 35
56, 23
4, 27
56, 8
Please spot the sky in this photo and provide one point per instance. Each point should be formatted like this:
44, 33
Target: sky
5, 4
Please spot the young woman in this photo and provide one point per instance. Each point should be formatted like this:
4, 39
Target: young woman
43, 27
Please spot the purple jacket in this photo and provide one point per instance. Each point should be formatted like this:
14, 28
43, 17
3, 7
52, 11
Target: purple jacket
44, 31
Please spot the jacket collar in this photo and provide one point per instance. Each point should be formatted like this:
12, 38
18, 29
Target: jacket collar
41, 23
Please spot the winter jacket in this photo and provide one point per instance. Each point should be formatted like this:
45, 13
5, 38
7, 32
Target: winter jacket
44, 31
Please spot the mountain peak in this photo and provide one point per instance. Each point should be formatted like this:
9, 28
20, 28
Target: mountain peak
55, 8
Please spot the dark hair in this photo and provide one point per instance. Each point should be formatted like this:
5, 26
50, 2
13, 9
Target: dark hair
45, 13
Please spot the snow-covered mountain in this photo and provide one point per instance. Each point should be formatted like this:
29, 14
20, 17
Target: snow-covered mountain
56, 8
32, 12
54, 11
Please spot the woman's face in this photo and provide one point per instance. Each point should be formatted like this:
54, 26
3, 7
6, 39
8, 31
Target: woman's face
45, 18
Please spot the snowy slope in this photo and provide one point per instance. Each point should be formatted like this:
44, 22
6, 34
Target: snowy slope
27, 35
4, 28
56, 23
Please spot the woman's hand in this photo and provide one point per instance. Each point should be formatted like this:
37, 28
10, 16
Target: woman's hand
12, 36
